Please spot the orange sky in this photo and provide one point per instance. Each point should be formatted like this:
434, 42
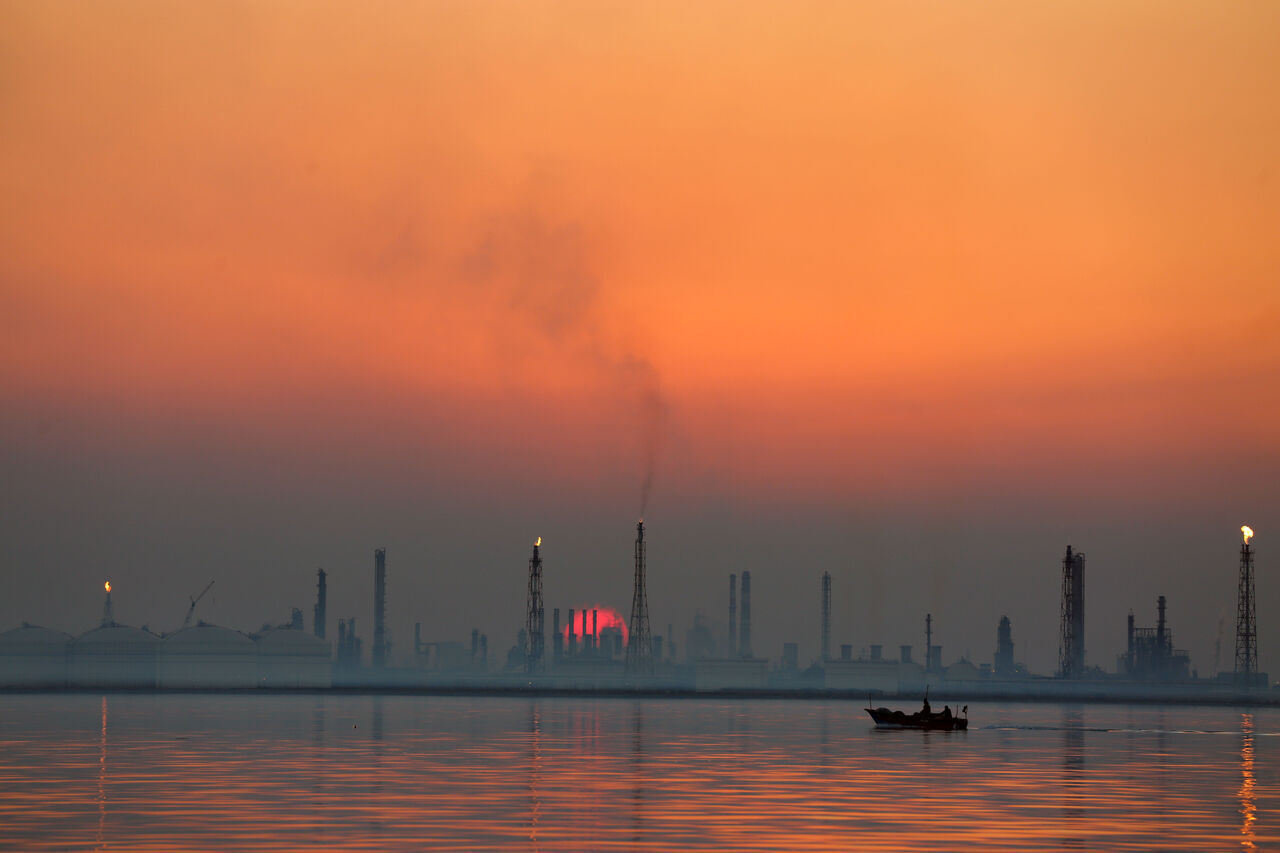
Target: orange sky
829, 230
852, 250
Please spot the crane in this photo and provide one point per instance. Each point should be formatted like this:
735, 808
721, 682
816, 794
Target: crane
195, 599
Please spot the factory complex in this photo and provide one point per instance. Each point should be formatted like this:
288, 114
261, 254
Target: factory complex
597, 649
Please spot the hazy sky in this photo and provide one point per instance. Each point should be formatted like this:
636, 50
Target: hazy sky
916, 294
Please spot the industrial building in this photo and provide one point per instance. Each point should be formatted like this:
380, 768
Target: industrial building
1150, 655
32, 656
293, 659
115, 656
207, 656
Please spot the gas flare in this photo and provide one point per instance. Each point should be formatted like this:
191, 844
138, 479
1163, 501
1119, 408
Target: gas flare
107, 586
538, 543
1247, 531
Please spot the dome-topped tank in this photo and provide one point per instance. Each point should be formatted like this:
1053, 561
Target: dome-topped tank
207, 656
292, 658
114, 656
32, 656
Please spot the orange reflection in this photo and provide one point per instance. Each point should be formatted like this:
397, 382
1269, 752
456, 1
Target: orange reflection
1247, 795
102, 768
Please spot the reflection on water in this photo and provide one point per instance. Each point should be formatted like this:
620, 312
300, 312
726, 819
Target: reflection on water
102, 774
405, 773
1248, 796
1073, 780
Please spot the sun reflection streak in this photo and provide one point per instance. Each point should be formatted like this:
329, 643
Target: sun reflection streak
535, 769
102, 772
1247, 795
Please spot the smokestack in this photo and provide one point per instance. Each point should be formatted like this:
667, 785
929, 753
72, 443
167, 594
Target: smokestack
1246, 667
733, 615
475, 645
535, 652
826, 616
380, 608
595, 628
639, 644
484, 651
573, 640
1129, 650
744, 641
108, 615
1071, 646
586, 638
929, 663
1164, 644
322, 595
557, 639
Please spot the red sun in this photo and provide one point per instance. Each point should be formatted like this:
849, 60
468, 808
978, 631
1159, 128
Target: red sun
607, 618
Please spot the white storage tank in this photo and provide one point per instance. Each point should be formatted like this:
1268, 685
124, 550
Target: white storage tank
292, 658
32, 656
207, 656
114, 656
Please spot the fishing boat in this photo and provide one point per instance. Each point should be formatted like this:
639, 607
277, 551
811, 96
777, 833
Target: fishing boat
925, 718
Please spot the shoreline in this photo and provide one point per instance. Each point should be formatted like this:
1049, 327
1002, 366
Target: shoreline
1259, 698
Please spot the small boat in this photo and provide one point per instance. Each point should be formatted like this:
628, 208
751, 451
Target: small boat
925, 718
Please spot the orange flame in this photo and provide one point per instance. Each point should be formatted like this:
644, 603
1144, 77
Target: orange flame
538, 543
107, 586
1247, 531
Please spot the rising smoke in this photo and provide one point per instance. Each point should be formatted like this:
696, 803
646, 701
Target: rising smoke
543, 271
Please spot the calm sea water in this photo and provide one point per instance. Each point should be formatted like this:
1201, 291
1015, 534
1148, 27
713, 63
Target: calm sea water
195, 772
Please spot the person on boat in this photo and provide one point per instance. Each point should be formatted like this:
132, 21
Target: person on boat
926, 709
946, 712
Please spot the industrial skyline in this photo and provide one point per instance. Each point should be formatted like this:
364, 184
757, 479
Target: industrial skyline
1149, 654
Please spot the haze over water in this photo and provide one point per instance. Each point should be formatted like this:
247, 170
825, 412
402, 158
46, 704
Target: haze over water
196, 772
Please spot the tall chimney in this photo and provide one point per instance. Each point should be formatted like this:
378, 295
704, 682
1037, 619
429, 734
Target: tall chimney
380, 608
1163, 640
108, 615
322, 593
929, 664
572, 648
557, 639
1129, 661
733, 615
744, 640
826, 616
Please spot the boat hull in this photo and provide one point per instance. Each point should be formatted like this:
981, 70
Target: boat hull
886, 719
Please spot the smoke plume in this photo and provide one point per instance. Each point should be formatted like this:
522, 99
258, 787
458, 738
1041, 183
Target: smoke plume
543, 271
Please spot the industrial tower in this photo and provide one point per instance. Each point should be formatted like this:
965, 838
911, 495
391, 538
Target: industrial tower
639, 646
744, 628
321, 603
1004, 648
108, 615
826, 616
535, 636
733, 615
1071, 648
928, 643
1246, 619
379, 608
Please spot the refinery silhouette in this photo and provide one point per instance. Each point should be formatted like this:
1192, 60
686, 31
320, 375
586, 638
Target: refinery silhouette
596, 649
